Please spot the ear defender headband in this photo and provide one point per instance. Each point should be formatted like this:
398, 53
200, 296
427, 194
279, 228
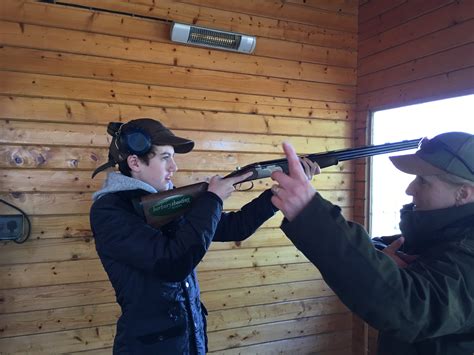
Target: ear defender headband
128, 140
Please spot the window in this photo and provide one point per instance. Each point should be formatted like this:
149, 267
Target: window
388, 185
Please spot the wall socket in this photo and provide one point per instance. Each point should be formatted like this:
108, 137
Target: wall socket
11, 227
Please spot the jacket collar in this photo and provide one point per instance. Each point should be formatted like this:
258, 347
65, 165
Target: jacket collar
422, 229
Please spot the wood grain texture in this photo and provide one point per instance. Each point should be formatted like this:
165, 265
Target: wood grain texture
258, 121
409, 52
433, 21
66, 71
36, 61
398, 15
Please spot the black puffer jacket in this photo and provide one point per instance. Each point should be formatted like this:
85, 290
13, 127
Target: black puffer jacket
152, 270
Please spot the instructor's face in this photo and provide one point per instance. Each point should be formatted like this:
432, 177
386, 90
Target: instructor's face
159, 171
431, 193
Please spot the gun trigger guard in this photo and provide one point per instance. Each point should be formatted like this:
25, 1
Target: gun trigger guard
237, 188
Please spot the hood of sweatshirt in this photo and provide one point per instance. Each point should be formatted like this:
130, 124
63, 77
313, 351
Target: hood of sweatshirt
116, 181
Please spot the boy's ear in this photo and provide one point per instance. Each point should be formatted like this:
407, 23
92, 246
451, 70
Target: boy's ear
133, 163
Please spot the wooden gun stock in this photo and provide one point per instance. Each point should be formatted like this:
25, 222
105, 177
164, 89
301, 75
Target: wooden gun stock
162, 207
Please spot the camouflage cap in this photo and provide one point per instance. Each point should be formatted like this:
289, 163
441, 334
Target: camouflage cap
447, 153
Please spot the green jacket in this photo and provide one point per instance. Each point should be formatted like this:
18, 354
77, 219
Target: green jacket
426, 308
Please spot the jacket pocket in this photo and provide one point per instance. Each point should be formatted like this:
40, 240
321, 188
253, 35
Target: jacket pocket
157, 324
162, 335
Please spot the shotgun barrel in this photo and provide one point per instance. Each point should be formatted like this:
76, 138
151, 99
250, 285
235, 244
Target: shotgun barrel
162, 207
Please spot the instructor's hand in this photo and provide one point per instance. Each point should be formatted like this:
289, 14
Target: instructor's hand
400, 258
293, 191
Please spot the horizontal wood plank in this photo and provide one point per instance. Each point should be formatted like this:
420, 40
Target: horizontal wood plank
370, 9
339, 6
306, 53
263, 237
72, 340
243, 297
326, 344
285, 11
67, 227
260, 275
42, 274
49, 249
254, 315
335, 135
43, 298
98, 314
89, 270
443, 62
148, 29
60, 319
451, 37
25, 84
229, 21
245, 336
454, 83
57, 110
99, 68
27, 299
437, 20
251, 257
398, 15
60, 342
65, 41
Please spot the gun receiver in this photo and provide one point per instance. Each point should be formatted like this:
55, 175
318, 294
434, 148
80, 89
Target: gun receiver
162, 207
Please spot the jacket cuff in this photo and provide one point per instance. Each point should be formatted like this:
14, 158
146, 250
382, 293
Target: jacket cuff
214, 197
267, 195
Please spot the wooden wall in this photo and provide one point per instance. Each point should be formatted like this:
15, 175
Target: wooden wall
409, 52
66, 71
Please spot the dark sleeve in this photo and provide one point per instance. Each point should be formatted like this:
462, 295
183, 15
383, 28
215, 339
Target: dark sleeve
124, 237
432, 297
237, 226
381, 243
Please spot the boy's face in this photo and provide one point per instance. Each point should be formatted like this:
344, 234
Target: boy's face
159, 171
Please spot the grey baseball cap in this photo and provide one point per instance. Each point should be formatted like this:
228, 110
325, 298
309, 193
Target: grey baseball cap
451, 152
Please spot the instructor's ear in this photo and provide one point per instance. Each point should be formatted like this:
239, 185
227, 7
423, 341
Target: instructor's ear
464, 195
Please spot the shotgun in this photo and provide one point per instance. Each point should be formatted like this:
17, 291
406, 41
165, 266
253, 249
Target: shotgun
162, 207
